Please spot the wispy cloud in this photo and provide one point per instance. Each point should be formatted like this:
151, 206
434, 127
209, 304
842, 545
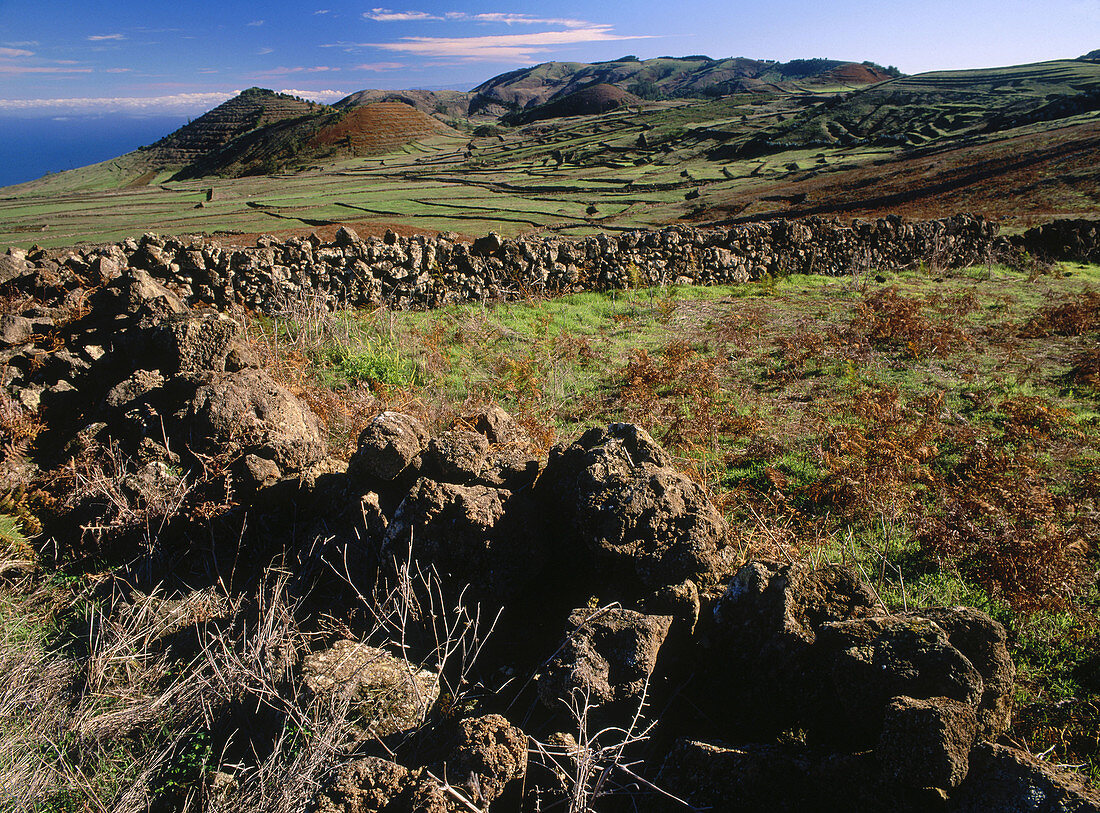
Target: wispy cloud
516, 19
6, 68
102, 37
118, 70
385, 15
501, 47
283, 70
265, 51
11, 53
256, 23
23, 44
378, 67
323, 11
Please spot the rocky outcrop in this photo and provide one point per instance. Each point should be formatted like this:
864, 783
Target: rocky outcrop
247, 412
926, 743
621, 506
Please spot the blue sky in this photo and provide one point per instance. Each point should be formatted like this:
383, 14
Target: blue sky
189, 55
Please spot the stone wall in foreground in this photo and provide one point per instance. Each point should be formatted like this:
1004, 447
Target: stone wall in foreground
420, 271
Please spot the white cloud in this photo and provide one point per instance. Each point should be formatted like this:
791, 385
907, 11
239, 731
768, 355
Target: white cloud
516, 19
502, 47
377, 67
256, 23
385, 15
14, 52
175, 103
102, 37
265, 51
323, 11
317, 95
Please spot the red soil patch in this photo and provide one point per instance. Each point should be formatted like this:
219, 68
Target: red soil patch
376, 128
855, 74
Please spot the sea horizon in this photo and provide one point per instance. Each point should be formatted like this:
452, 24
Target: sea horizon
34, 146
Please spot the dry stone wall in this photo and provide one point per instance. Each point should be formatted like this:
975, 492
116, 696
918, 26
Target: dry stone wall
424, 272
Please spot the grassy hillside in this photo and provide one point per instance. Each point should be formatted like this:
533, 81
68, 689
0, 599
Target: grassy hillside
1015, 144
919, 110
667, 78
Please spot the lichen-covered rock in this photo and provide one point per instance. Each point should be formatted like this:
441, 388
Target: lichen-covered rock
608, 656
247, 411
143, 295
877, 659
388, 694
770, 607
489, 753
138, 386
926, 743
984, 642
1008, 780
456, 456
376, 785
388, 445
495, 424
15, 329
471, 535
620, 502
195, 344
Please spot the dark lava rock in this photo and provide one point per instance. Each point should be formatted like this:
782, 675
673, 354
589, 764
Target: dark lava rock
984, 642
388, 446
608, 656
472, 535
926, 743
1008, 780
247, 411
877, 659
456, 456
620, 504
489, 754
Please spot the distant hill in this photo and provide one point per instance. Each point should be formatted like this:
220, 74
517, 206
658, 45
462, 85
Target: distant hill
368, 129
666, 77
439, 103
246, 111
588, 101
918, 110
1091, 55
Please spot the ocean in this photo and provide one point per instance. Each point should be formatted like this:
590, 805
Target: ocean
32, 147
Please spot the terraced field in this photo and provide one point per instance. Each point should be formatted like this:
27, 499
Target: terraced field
1015, 144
